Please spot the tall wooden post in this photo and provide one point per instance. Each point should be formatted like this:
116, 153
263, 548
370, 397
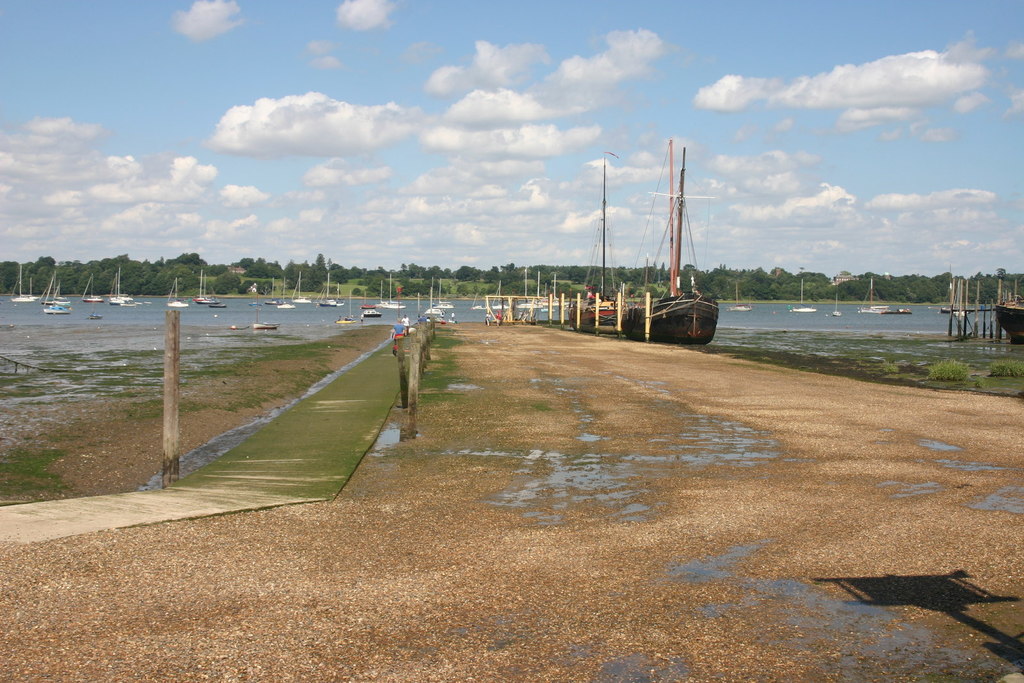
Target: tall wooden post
619, 302
408, 430
561, 310
647, 316
579, 310
172, 396
403, 372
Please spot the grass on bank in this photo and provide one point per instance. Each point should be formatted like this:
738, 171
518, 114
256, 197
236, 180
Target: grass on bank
1006, 368
949, 371
25, 473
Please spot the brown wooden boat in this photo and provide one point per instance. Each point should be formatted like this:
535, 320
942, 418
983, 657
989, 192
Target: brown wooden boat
684, 316
1010, 316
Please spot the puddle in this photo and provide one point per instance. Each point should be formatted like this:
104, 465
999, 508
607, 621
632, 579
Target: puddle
572, 480
388, 437
866, 634
906, 490
463, 387
970, 466
1008, 499
713, 568
641, 667
708, 440
589, 437
937, 445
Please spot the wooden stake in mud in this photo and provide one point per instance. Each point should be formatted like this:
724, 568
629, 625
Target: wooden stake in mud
403, 372
647, 316
579, 312
172, 396
408, 430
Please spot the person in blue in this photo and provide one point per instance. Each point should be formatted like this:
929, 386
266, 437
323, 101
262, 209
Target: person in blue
397, 332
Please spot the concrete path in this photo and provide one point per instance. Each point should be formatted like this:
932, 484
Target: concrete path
306, 454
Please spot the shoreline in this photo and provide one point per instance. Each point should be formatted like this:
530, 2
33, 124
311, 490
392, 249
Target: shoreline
114, 445
576, 508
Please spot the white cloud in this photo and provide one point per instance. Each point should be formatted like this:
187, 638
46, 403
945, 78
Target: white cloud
914, 79
364, 15
237, 196
525, 142
1016, 103
970, 102
583, 83
311, 125
936, 200
320, 47
938, 135
326, 62
186, 180
496, 107
492, 67
859, 119
1015, 50
337, 172
207, 19
824, 206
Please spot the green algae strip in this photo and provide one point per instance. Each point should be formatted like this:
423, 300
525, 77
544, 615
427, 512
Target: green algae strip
310, 450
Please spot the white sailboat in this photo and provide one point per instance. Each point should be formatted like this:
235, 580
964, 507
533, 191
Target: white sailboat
22, 298
172, 299
801, 308
390, 303
53, 304
872, 307
297, 297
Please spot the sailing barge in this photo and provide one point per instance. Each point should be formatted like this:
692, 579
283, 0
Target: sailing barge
684, 316
1010, 316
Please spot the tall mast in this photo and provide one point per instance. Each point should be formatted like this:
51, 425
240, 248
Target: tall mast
604, 218
680, 207
673, 243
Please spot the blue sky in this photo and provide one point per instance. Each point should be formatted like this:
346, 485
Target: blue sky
867, 136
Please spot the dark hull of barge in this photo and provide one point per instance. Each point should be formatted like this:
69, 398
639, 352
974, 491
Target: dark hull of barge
685, 319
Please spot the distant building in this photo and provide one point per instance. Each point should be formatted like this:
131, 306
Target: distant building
236, 270
843, 277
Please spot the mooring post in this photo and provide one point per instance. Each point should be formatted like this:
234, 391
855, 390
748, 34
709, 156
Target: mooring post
408, 430
647, 316
561, 310
579, 310
172, 395
619, 302
403, 371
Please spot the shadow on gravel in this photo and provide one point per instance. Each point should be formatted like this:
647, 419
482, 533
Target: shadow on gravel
952, 594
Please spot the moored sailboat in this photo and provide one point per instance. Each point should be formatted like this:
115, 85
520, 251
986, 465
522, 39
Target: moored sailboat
1010, 316
684, 316
598, 312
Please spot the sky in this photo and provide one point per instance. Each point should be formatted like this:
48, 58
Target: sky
869, 136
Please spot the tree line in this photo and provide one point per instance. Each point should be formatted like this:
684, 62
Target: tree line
156, 278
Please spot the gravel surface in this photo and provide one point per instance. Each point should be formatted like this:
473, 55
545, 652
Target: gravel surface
578, 508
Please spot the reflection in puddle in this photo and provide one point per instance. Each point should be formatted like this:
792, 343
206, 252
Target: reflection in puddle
713, 568
906, 490
970, 466
871, 633
551, 482
937, 445
1008, 499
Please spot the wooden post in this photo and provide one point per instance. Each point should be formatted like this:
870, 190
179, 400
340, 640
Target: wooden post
403, 372
561, 310
579, 310
999, 300
618, 312
647, 316
172, 396
408, 430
